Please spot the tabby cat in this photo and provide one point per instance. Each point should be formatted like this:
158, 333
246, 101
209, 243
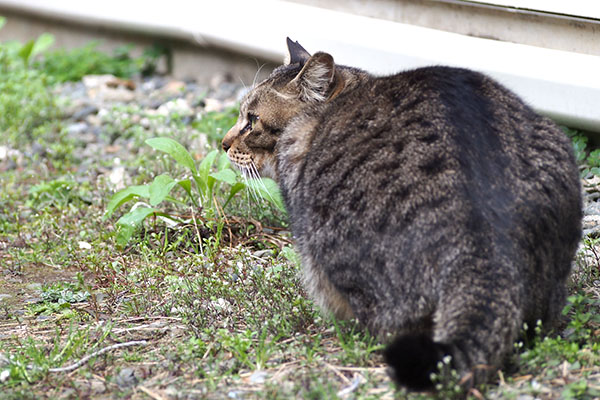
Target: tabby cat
433, 205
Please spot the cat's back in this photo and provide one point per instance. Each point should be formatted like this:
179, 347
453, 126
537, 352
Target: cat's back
437, 132
423, 165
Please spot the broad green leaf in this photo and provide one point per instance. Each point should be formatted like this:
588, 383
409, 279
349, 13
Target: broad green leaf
26, 50
175, 150
186, 184
226, 175
223, 162
210, 182
204, 168
42, 43
130, 222
160, 188
200, 184
204, 180
269, 190
234, 190
123, 196
136, 216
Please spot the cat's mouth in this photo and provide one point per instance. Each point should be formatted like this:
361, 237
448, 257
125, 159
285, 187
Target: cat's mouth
244, 163
252, 166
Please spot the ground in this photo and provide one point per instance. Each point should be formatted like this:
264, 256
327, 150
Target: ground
209, 306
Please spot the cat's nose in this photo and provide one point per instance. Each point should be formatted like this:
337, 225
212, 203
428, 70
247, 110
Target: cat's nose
229, 138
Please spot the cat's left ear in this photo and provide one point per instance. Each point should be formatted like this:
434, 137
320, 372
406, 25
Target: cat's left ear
296, 53
314, 81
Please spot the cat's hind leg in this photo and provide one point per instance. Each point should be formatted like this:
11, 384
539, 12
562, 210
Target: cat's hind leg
476, 323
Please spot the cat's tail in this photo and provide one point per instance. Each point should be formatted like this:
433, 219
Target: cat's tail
413, 359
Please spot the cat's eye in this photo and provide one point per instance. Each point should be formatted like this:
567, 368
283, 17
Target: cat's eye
252, 118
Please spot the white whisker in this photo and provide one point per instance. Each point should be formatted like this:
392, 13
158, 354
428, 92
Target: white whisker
243, 84
249, 174
257, 72
255, 178
260, 181
245, 176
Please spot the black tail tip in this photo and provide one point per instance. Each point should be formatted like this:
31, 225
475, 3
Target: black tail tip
413, 359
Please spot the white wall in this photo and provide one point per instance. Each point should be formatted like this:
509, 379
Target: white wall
564, 85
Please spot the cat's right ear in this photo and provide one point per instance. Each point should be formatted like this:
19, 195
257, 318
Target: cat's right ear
297, 53
314, 81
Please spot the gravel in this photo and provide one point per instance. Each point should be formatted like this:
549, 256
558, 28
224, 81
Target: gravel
101, 110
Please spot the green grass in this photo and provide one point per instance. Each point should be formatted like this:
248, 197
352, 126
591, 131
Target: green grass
216, 298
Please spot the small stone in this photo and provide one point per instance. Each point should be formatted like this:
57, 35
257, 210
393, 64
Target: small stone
83, 113
178, 106
38, 149
154, 83
97, 387
525, 397
84, 245
95, 81
4, 375
145, 123
7, 152
258, 377
591, 224
69, 394
35, 286
87, 137
100, 296
117, 175
77, 128
171, 392
126, 378
154, 103
174, 87
221, 304
93, 120
4, 360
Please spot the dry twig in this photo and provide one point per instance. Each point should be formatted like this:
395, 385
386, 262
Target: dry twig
85, 359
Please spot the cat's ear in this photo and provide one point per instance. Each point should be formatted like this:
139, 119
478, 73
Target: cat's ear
297, 53
315, 79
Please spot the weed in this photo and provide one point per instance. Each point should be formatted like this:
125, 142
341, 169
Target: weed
32, 359
585, 316
588, 160
25, 101
58, 297
57, 193
357, 344
62, 65
202, 190
446, 380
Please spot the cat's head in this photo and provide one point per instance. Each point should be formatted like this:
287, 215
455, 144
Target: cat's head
303, 81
